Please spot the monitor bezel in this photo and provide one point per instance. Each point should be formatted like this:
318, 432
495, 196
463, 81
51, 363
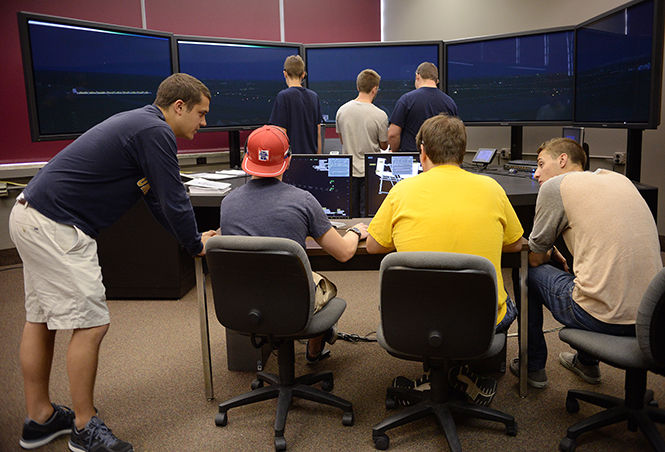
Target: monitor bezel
221, 40
28, 70
447, 44
349, 157
367, 172
656, 75
335, 45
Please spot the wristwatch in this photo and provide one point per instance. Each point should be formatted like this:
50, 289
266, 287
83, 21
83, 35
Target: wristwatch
355, 230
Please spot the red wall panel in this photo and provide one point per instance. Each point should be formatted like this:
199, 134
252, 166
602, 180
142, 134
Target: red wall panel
310, 21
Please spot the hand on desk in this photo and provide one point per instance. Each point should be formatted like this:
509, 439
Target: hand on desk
204, 238
362, 227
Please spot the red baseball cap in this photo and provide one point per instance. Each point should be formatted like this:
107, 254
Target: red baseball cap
267, 152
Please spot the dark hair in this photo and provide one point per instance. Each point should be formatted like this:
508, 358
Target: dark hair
557, 146
444, 139
294, 66
367, 80
181, 86
428, 71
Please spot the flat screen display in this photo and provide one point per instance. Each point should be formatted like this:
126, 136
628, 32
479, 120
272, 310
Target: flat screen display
384, 170
80, 73
243, 77
574, 133
332, 71
512, 80
616, 67
327, 177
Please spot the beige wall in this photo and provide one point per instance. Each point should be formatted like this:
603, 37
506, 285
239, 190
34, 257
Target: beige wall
456, 19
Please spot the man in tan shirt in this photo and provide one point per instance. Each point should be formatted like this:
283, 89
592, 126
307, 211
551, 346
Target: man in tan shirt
611, 233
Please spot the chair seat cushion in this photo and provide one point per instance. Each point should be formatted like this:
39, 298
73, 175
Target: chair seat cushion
619, 351
323, 320
495, 348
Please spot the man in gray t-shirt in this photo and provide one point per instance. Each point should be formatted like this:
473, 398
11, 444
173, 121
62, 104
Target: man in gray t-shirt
362, 127
266, 206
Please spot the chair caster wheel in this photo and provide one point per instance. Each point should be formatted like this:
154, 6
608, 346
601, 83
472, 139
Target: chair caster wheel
391, 403
567, 445
572, 405
221, 419
280, 443
348, 418
511, 429
381, 441
256, 384
327, 385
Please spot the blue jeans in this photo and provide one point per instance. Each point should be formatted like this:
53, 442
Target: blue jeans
553, 288
511, 314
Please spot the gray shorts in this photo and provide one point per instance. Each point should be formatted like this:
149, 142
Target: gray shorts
62, 276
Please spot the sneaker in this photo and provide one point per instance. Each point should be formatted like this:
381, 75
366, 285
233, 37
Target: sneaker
97, 437
590, 374
535, 378
479, 390
36, 434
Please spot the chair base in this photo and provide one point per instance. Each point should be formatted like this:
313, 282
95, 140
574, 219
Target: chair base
436, 402
638, 409
284, 388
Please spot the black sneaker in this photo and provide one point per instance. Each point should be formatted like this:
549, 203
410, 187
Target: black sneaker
97, 437
36, 434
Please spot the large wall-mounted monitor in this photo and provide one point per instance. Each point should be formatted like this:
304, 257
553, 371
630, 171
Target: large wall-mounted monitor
512, 79
332, 70
384, 170
619, 60
327, 177
79, 73
244, 77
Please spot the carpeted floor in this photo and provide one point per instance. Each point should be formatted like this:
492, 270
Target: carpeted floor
150, 386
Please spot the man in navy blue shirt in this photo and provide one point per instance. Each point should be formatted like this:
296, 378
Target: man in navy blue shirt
297, 110
86, 187
414, 107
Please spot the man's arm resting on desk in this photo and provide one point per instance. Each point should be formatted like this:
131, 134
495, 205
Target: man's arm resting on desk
340, 247
514, 247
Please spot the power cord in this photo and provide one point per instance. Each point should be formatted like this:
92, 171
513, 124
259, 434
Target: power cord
355, 338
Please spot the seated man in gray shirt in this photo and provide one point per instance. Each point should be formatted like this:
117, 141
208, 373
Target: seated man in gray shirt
266, 206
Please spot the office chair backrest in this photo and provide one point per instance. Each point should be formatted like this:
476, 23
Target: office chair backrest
439, 305
260, 285
650, 325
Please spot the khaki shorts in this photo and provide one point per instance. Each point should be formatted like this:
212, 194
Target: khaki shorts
324, 292
62, 276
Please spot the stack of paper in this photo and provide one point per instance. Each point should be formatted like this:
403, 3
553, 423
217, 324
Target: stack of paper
201, 186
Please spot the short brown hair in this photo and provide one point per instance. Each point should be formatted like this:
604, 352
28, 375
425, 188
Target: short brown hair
367, 80
428, 71
444, 139
294, 66
557, 146
183, 87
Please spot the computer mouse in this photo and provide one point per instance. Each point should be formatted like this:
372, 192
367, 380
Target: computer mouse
512, 171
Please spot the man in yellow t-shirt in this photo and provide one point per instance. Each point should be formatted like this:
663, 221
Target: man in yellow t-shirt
449, 209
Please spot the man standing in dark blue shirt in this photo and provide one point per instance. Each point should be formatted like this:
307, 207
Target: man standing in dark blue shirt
87, 186
297, 110
414, 107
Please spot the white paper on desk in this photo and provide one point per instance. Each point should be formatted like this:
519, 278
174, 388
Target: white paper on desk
200, 182
194, 190
232, 172
209, 176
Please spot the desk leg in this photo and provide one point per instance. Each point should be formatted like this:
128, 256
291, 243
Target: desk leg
523, 321
203, 324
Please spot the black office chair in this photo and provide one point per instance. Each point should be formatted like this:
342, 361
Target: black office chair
262, 287
436, 308
639, 354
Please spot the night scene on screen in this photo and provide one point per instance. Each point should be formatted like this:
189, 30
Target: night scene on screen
84, 75
520, 78
327, 178
244, 79
332, 72
614, 72
383, 171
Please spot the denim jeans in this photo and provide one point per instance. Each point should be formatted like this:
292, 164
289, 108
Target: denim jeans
511, 314
553, 288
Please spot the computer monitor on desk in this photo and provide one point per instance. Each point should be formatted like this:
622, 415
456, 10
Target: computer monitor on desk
327, 177
383, 171
577, 134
